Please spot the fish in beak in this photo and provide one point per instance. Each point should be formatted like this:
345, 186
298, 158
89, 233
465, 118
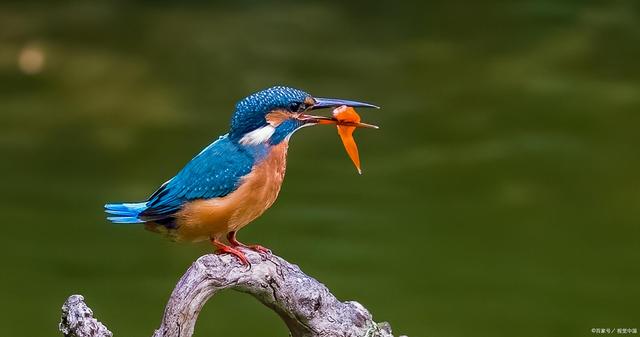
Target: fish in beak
345, 117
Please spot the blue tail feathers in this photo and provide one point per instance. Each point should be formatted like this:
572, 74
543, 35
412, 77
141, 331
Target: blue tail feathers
125, 213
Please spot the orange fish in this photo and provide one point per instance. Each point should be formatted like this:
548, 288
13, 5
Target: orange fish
349, 115
347, 120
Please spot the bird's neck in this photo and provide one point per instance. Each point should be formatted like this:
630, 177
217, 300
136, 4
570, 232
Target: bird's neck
276, 158
264, 151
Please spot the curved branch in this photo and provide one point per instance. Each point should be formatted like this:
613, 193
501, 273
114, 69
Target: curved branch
304, 304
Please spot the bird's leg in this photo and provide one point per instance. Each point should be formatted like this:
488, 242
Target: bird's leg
231, 236
222, 248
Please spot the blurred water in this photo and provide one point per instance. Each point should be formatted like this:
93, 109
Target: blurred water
499, 198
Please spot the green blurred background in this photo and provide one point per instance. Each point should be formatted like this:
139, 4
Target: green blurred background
499, 198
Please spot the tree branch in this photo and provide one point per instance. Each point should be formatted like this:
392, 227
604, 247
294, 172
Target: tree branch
77, 320
304, 304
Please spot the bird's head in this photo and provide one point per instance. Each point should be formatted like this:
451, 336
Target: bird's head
274, 114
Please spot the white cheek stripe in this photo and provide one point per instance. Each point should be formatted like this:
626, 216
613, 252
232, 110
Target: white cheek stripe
258, 136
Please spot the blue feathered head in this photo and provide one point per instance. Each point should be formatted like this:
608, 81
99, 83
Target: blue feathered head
251, 111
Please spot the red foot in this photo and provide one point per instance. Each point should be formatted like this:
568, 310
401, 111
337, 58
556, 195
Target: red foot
260, 249
235, 243
222, 248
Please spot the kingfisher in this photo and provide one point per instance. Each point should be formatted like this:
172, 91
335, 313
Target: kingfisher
235, 179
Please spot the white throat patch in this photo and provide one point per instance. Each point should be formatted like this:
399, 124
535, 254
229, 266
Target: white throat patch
258, 136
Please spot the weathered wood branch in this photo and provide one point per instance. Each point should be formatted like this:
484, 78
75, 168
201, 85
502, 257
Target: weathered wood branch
77, 320
304, 304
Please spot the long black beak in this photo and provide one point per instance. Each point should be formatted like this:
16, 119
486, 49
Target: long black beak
335, 102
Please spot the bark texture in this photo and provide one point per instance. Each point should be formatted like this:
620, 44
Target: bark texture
77, 320
304, 304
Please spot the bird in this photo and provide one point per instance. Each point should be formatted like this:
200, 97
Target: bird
235, 179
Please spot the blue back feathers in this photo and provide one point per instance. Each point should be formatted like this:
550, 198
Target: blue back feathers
214, 172
217, 170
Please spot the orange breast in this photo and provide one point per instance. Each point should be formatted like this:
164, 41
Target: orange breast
201, 219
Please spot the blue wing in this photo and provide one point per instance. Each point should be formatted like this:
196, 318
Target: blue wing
214, 172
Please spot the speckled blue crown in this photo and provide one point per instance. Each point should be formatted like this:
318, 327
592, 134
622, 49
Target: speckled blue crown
251, 111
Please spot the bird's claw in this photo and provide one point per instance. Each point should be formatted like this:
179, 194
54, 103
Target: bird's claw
224, 249
237, 253
260, 249
231, 236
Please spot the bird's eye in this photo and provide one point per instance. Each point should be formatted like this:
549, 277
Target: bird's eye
297, 107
